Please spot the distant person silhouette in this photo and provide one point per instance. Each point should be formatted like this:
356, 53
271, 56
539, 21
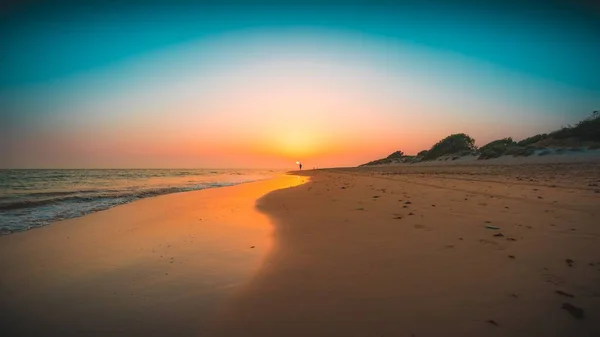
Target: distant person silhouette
300, 166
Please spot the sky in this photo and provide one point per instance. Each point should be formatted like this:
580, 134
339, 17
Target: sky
245, 84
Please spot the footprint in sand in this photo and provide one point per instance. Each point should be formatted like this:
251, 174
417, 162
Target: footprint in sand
576, 312
493, 243
553, 279
562, 293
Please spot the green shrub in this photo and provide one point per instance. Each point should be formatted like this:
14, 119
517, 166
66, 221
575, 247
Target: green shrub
378, 162
585, 130
499, 144
450, 145
397, 154
564, 133
490, 153
496, 148
589, 128
532, 140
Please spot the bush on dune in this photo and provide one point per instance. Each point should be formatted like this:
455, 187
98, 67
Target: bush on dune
515, 151
585, 133
456, 143
397, 154
587, 130
496, 148
500, 143
392, 158
532, 140
378, 162
490, 153
519, 151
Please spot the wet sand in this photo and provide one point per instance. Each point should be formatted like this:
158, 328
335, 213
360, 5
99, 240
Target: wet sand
429, 251
156, 267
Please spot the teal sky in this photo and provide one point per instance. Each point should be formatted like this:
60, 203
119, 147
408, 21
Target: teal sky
78, 80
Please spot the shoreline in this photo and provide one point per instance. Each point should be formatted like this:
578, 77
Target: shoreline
124, 197
152, 267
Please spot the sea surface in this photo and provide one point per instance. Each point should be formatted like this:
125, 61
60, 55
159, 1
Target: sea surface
34, 198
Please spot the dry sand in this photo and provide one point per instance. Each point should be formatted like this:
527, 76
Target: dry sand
385, 251
404, 251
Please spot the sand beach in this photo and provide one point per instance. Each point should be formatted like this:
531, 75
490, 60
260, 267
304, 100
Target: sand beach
430, 251
400, 250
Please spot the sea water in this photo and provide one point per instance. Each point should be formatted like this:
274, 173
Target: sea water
34, 198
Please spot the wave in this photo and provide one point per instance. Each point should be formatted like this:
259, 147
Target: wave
96, 195
35, 198
58, 193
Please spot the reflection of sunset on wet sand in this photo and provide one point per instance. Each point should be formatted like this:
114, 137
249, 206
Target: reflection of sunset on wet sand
121, 269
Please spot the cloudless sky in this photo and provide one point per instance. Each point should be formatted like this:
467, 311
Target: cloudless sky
263, 84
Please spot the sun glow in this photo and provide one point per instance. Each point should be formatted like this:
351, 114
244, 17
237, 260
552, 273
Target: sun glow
295, 143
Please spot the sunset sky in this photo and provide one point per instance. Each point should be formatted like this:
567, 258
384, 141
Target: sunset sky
182, 84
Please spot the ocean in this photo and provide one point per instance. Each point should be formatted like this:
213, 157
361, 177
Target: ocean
34, 198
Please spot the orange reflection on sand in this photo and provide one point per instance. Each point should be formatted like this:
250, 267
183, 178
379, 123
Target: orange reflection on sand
122, 269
